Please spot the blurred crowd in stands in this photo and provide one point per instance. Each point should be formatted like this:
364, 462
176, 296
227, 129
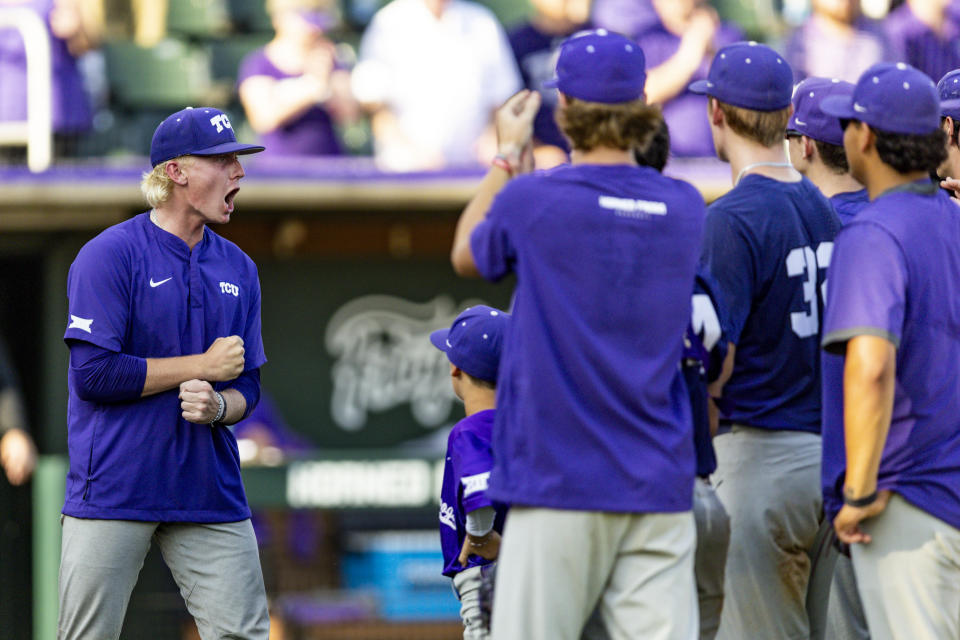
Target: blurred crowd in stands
414, 83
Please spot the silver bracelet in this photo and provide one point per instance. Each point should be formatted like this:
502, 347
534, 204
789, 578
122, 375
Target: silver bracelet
221, 411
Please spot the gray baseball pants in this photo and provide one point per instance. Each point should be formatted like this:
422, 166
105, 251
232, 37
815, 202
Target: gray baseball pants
908, 575
216, 566
556, 566
769, 483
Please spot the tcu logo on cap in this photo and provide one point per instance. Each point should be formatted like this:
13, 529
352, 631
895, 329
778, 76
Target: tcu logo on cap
220, 121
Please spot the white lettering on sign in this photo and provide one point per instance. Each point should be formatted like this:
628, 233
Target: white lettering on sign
232, 289
221, 121
384, 359
362, 483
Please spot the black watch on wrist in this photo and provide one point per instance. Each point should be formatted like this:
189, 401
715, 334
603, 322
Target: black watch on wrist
865, 501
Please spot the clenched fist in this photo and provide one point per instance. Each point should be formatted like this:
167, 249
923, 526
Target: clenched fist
224, 359
198, 402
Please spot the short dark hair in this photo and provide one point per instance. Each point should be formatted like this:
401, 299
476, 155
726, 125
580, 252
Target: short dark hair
906, 152
833, 156
480, 382
657, 152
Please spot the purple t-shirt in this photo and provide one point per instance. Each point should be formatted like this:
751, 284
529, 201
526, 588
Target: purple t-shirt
895, 274
685, 113
914, 42
592, 412
849, 203
312, 134
536, 54
139, 290
70, 106
465, 477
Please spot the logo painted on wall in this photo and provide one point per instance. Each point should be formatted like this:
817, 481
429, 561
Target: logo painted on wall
384, 359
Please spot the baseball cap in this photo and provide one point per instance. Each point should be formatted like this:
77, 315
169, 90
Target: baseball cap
600, 66
949, 90
474, 341
808, 118
204, 131
893, 97
748, 75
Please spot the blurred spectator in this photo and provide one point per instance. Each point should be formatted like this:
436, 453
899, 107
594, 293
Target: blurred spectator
926, 34
836, 42
293, 88
433, 72
628, 17
75, 27
535, 46
18, 455
679, 48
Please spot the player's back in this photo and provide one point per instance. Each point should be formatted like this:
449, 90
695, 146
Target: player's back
605, 259
768, 244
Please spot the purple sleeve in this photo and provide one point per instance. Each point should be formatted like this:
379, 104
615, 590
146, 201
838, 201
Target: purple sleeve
727, 258
866, 287
105, 376
248, 384
472, 460
98, 292
493, 251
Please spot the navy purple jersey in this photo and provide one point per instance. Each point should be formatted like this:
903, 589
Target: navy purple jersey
704, 349
592, 411
139, 290
848, 204
465, 478
536, 54
914, 42
895, 274
768, 245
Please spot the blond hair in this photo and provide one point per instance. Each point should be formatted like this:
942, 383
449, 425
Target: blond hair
156, 185
621, 125
763, 127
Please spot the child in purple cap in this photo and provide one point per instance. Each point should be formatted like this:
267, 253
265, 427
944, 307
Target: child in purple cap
470, 523
767, 245
891, 411
593, 444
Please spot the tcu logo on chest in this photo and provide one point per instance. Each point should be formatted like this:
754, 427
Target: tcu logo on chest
221, 121
232, 289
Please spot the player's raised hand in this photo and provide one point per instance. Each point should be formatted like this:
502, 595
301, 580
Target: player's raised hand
847, 522
514, 122
224, 359
198, 402
487, 546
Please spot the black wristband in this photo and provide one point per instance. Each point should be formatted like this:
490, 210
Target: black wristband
865, 501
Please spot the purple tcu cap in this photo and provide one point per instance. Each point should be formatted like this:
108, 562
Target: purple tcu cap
600, 66
203, 131
808, 118
949, 90
474, 341
748, 75
892, 97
